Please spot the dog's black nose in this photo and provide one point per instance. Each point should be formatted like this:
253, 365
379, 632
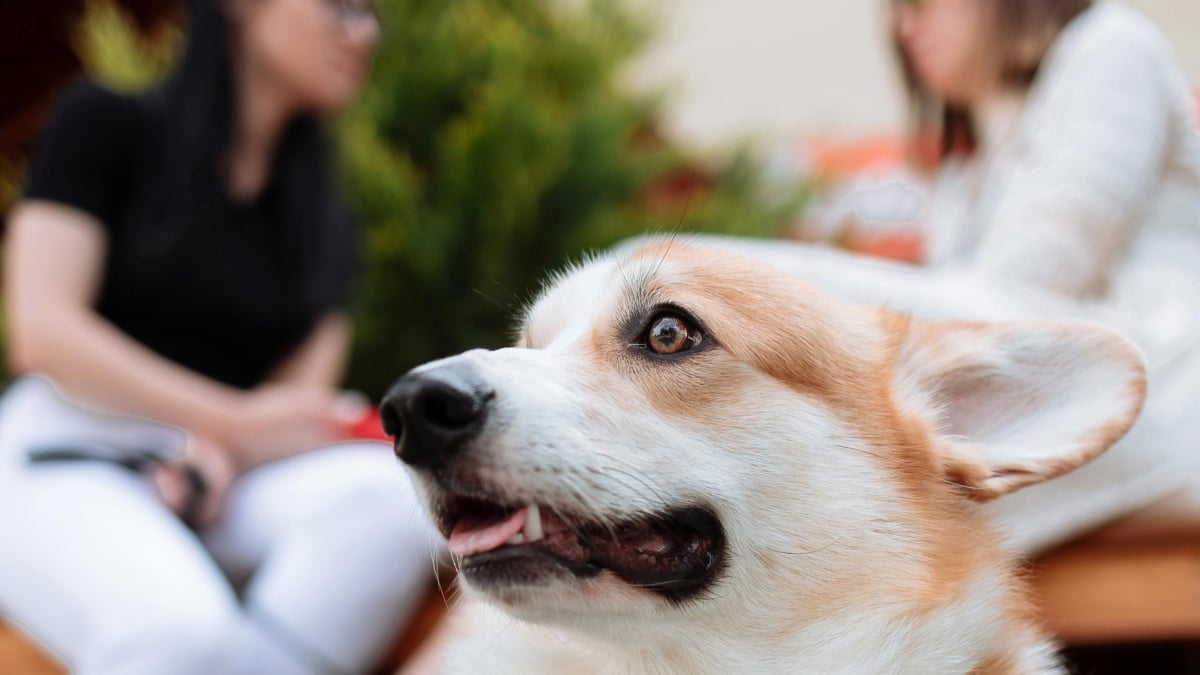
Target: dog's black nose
432, 414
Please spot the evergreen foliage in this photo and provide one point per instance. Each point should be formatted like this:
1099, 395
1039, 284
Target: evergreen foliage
493, 144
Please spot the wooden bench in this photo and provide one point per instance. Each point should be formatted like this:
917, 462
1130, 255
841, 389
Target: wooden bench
1100, 590
19, 655
1112, 588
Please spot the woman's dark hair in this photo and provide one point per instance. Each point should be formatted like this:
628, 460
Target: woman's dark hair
1022, 33
198, 107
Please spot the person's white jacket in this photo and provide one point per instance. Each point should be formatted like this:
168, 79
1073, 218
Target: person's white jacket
1087, 188
1082, 201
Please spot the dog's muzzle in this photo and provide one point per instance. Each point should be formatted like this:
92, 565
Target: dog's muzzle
434, 413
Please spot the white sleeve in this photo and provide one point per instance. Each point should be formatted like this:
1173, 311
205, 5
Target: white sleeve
1099, 125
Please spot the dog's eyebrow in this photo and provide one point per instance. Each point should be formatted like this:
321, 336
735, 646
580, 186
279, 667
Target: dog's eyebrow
638, 296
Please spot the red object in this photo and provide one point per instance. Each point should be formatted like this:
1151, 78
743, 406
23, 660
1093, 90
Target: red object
837, 158
906, 247
369, 428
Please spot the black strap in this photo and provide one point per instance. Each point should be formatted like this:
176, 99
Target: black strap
136, 462
198, 489
140, 463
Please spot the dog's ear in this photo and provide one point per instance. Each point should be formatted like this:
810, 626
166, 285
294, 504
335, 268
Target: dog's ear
1019, 403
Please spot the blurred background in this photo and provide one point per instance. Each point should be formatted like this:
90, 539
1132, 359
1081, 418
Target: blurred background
495, 141
791, 70
498, 140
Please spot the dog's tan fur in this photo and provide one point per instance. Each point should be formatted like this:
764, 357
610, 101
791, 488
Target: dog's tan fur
887, 386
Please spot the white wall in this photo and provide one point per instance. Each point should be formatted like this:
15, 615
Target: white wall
787, 68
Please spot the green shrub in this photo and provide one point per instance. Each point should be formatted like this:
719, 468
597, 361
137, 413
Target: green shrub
112, 48
492, 144
12, 177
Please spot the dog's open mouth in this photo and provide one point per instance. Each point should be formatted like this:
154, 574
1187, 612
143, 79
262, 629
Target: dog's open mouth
675, 554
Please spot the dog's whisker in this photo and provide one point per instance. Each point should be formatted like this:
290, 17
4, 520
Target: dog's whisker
630, 472
568, 522
809, 552
492, 300
601, 518
623, 270
653, 584
597, 514
456, 562
674, 234
613, 458
458, 595
437, 574
614, 475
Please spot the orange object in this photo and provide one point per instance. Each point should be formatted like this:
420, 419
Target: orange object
838, 158
1096, 592
902, 246
369, 428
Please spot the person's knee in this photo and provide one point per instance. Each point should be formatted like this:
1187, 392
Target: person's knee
366, 519
389, 517
376, 498
202, 642
198, 640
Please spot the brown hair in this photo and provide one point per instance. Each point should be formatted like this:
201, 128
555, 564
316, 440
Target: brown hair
1022, 33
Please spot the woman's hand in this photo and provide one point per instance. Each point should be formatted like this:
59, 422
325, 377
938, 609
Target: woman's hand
279, 420
197, 498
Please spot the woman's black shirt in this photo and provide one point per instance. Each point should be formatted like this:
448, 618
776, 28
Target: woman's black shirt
218, 294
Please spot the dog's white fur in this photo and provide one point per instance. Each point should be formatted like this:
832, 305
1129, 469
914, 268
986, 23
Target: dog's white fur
844, 448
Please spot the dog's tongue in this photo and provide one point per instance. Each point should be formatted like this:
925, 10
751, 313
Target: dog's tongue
473, 534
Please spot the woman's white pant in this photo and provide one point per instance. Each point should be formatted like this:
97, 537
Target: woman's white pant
329, 549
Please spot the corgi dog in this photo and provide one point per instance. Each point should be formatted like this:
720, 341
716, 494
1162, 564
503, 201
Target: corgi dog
693, 462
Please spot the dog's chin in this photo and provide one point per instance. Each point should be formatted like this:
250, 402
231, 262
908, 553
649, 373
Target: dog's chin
675, 554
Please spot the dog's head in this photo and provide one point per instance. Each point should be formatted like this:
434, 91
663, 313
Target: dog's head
683, 427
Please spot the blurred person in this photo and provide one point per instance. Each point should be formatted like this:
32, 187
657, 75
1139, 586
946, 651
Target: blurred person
1066, 164
1060, 141
1061, 136
182, 260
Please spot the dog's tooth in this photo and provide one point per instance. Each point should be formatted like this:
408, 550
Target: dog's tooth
517, 538
533, 523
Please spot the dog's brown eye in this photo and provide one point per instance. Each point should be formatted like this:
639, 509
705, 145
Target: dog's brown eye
671, 334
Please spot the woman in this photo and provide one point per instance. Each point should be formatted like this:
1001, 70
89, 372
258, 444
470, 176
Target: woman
1068, 168
1066, 178
182, 256
1064, 132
